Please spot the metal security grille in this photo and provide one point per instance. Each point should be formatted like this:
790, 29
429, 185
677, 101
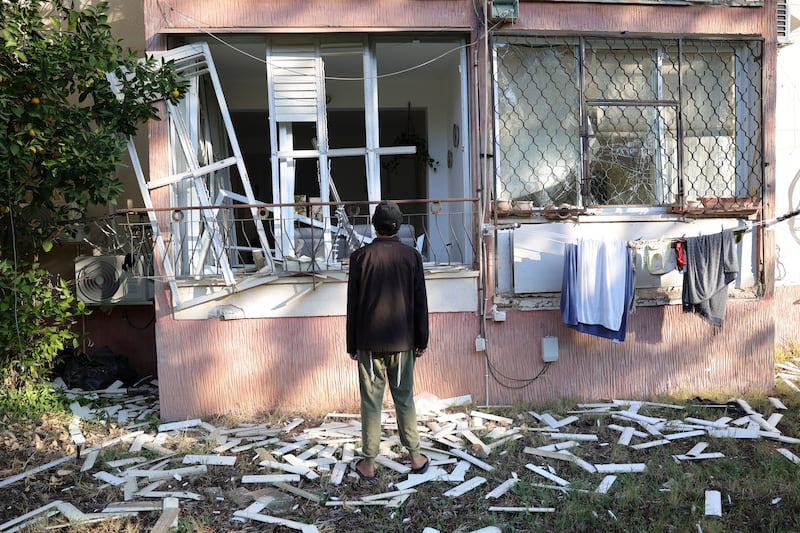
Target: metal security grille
592, 122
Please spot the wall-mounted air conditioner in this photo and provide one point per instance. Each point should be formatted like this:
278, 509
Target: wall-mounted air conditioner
113, 280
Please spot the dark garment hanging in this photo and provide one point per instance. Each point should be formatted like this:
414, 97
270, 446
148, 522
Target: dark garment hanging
712, 264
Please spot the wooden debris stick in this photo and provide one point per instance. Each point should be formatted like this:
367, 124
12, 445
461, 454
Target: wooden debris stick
31, 517
713, 504
501, 441
348, 452
393, 465
88, 463
184, 495
311, 452
547, 474
119, 463
150, 488
173, 473
356, 503
790, 384
184, 424
169, 516
776, 403
650, 444
697, 449
397, 501
433, 473
503, 487
636, 432
589, 467
474, 460
78, 439
61, 460
270, 478
296, 461
700, 456
641, 419
338, 472
561, 423
733, 433
232, 443
387, 495
587, 437
778, 437
111, 479
613, 468
129, 488
685, 435
605, 485
756, 416
522, 509
290, 447
789, 455
626, 436
298, 491
558, 446
774, 419
465, 487
458, 474
294, 469
477, 444
217, 460
561, 456
488, 416
133, 507
291, 524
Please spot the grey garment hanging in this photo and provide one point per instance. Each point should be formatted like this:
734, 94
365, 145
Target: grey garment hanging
712, 263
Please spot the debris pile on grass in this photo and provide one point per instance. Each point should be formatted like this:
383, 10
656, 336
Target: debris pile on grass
113, 461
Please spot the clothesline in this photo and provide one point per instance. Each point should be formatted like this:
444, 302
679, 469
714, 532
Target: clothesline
736, 229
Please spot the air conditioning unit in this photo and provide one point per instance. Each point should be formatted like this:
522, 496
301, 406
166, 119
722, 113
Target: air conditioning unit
113, 280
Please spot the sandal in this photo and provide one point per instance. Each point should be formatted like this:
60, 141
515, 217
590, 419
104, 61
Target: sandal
423, 468
362, 476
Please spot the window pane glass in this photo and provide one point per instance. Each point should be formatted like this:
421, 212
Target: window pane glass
538, 123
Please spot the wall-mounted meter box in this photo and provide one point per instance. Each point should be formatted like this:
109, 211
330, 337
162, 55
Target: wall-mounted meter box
504, 10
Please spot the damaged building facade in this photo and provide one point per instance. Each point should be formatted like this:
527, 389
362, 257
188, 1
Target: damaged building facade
507, 132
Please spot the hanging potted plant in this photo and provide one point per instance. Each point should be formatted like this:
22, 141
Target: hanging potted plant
410, 138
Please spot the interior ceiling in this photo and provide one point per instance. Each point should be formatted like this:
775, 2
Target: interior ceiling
242, 69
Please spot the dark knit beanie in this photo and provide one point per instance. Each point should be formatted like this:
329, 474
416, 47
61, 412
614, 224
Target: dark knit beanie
387, 218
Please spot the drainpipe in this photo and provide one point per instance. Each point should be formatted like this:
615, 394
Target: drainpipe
483, 104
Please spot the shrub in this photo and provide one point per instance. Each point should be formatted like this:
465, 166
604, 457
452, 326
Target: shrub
39, 311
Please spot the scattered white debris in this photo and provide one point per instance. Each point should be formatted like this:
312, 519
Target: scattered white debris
713, 505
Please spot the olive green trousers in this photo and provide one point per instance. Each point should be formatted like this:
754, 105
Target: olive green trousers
375, 369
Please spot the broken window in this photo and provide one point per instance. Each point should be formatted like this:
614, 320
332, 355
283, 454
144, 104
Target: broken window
282, 147
647, 123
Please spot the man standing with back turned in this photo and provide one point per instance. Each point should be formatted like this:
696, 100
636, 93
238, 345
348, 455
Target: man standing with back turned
387, 329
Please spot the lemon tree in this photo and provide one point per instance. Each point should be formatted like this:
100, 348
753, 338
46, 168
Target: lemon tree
63, 129
62, 134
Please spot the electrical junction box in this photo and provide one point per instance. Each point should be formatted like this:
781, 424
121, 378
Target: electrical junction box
480, 344
549, 349
504, 10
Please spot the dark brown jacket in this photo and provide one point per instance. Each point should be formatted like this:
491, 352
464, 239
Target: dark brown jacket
387, 305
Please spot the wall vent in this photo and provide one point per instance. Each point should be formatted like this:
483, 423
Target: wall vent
784, 22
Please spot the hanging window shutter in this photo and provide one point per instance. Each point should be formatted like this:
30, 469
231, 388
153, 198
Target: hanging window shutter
296, 76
